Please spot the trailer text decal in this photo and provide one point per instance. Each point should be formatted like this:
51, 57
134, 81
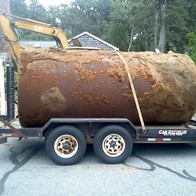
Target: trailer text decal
173, 132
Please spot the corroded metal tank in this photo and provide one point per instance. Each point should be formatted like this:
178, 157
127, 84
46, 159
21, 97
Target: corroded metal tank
94, 84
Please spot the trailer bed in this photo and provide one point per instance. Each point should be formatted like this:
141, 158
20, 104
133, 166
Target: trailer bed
155, 133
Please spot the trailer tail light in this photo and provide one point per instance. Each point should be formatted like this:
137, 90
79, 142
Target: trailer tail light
10, 135
159, 139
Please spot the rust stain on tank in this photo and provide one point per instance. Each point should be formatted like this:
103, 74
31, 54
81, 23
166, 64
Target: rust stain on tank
53, 100
142, 85
128, 96
102, 99
87, 99
117, 72
85, 74
75, 94
142, 62
36, 75
125, 87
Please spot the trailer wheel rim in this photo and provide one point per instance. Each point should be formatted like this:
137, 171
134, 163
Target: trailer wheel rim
66, 146
113, 145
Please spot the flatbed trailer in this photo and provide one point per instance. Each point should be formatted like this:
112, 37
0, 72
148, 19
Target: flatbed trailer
112, 138
162, 133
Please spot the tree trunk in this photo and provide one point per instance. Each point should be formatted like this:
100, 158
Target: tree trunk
131, 40
156, 30
162, 35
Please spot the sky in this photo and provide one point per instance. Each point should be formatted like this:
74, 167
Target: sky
47, 3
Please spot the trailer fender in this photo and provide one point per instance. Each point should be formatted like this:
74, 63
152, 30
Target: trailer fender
89, 126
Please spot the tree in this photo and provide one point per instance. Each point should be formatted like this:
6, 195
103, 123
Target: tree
136, 25
162, 14
177, 26
34, 11
90, 15
133, 22
192, 45
19, 8
83, 15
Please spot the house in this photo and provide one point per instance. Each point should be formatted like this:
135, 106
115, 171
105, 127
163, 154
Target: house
88, 40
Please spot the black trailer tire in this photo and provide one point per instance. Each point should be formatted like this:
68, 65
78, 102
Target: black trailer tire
113, 144
66, 145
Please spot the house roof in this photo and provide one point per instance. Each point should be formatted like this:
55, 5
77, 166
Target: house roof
99, 42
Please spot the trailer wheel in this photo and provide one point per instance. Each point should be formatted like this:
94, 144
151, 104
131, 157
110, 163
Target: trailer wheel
66, 145
113, 144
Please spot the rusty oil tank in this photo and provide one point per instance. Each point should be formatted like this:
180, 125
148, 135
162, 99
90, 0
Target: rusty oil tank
56, 83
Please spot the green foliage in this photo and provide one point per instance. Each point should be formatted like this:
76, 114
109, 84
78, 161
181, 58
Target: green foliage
176, 27
34, 11
120, 22
192, 45
19, 8
82, 15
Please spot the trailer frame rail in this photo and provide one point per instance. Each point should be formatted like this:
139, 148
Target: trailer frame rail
167, 134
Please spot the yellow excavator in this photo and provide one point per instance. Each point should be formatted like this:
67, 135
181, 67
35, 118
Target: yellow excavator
10, 22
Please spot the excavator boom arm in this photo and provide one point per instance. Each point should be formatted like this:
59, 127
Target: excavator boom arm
8, 27
11, 37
